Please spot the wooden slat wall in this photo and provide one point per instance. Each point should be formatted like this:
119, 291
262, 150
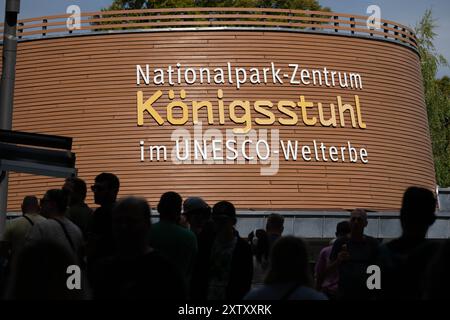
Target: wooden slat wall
85, 87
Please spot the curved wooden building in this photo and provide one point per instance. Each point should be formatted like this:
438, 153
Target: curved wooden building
82, 83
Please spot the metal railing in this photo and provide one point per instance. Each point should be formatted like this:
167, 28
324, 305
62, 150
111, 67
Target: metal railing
199, 18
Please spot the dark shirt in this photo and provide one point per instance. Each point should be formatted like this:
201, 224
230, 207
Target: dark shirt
177, 244
353, 272
403, 263
240, 272
81, 215
150, 276
272, 239
100, 238
199, 281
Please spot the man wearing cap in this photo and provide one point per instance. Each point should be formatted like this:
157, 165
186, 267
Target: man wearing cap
198, 214
231, 263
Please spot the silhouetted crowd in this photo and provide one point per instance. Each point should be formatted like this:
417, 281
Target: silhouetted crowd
195, 252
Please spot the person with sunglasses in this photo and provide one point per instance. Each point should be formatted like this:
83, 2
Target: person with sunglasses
231, 260
100, 237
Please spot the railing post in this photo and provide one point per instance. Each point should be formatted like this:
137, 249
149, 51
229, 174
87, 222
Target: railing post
44, 27
20, 29
395, 32
70, 30
403, 34
323, 226
97, 16
385, 30
352, 26
336, 24
412, 38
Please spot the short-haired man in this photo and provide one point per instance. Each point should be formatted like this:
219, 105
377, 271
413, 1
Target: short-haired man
351, 256
136, 271
57, 228
17, 229
78, 211
100, 238
176, 243
274, 227
403, 261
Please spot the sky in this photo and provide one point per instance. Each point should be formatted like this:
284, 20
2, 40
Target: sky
406, 12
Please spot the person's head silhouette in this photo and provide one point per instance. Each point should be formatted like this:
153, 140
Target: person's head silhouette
342, 229
76, 190
169, 207
224, 216
358, 221
197, 212
275, 224
30, 204
418, 212
288, 262
131, 224
54, 203
106, 188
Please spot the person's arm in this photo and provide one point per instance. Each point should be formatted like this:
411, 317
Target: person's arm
339, 254
193, 257
321, 265
5, 243
248, 269
242, 270
5, 249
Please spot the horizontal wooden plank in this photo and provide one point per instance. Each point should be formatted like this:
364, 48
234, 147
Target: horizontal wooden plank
84, 87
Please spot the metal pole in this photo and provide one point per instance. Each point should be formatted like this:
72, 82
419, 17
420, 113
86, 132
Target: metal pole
7, 90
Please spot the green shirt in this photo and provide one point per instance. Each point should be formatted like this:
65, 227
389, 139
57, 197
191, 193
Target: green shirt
178, 244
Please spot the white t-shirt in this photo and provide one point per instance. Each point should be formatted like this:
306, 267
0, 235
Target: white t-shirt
51, 230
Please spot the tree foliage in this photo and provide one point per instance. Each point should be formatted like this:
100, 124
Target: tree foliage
436, 97
150, 4
154, 4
